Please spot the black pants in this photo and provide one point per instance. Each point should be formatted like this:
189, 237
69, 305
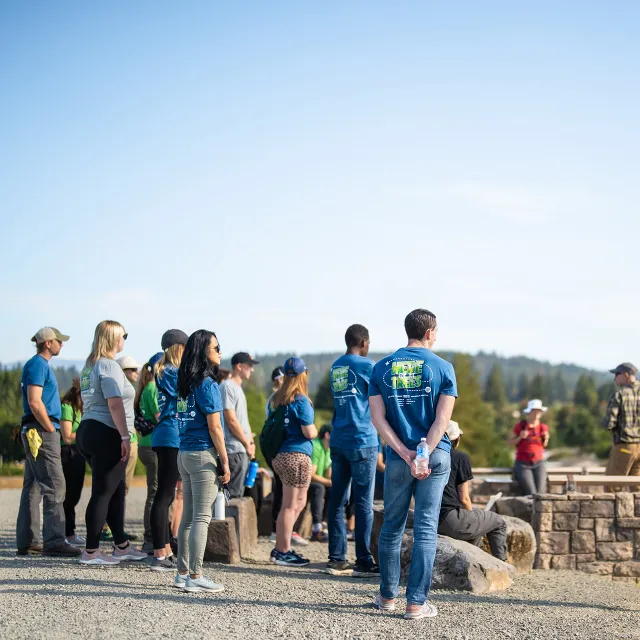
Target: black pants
101, 447
276, 505
168, 476
73, 467
316, 498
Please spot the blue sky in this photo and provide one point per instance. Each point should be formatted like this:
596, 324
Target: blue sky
277, 171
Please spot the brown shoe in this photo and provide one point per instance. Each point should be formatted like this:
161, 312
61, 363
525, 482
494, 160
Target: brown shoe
31, 550
63, 549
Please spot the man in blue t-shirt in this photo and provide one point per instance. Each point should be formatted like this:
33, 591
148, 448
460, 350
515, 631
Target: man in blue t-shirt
43, 476
354, 451
411, 395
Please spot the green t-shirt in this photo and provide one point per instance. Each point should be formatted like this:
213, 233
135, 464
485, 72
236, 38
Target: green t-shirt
73, 416
148, 408
321, 457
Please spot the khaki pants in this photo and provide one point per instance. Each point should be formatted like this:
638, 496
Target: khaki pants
624, 460
131, 465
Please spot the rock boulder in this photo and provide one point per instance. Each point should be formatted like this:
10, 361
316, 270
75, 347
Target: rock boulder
521, 544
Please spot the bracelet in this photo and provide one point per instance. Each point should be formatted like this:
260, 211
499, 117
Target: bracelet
124, 438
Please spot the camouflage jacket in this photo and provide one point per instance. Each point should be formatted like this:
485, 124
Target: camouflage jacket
623, 414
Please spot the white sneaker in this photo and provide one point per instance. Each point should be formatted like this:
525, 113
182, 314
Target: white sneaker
179, 582
76, 541
298, 540
193, 585
427, 610
129, 553
272, 537
98, 558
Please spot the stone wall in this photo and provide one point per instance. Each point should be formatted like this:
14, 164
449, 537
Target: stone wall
594, 533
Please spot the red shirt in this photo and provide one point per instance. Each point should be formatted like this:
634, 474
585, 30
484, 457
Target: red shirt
530, 449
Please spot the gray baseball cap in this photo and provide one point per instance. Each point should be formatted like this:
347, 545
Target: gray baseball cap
625, 367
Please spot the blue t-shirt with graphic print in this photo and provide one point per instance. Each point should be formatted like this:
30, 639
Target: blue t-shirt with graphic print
297, 414
204, 400
411, 381
38, 373
351, 424
166, 432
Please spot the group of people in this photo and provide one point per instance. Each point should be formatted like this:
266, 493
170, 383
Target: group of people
196, 440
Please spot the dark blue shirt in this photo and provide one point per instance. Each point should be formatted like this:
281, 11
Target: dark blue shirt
38, 373
166, 432
298, 413
352, 426
193, 412
410, 382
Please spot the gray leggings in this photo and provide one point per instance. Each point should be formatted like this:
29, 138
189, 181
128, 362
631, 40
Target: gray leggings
199, 489
531, 477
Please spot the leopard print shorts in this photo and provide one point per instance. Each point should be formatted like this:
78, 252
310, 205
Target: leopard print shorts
293, 468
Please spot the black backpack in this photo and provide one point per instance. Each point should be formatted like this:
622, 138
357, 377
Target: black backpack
273, 433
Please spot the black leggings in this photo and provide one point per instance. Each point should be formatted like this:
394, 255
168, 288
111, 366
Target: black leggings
73, 467
101, 447
168, 477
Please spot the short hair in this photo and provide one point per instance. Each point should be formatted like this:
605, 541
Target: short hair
324, 429
418, 322
355, 335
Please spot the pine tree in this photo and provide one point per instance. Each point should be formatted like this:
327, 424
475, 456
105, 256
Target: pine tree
522, 387
538, 388
494, 391
256, 401
557, 388
586, 394
324, 397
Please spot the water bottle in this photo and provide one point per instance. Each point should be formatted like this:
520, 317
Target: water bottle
252, 472
219, 507
422, 456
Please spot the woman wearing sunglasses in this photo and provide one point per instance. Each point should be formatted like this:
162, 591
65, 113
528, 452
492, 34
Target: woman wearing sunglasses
201, 446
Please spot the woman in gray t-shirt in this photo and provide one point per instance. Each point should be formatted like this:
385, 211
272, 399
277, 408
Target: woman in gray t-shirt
103, 438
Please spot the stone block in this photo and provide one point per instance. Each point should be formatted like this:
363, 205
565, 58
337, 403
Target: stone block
520, 507
543, 506
543, 521
566, 507
579, 496
586, 523
636, 555
637, 507
265, 518
605, 530
243, 511
554, 542
542, 561
629, 523
624, 505
604, 496
549, 496
624, 535
597, 568
566, 562
613, 551
597, 508
631, 568
585, 557
521, 544
222, 542
565, 521
583, 542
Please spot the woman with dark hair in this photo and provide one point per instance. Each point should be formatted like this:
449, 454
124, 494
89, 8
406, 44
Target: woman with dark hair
201, 447
73, 464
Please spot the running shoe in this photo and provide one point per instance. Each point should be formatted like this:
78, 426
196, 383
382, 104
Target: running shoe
339, 568
274, 553
194, 585
129, 553
290, 559
106, 535
76, 541
63, 549
298, 540
366, 571
99, 558
180, 581
384, 605
162, 564
427, 610
132, 537
351, 535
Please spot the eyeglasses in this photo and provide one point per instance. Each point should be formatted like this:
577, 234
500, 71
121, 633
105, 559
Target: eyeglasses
125, 336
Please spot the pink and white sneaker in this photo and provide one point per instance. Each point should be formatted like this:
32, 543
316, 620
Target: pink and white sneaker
98, 557
129, 553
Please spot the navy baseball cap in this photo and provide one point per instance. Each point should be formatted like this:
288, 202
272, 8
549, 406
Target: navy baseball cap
294, 366
153, 360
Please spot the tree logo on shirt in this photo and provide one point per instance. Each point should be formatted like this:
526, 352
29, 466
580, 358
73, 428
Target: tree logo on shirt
182, 405
85, 379
342, 378
411, 375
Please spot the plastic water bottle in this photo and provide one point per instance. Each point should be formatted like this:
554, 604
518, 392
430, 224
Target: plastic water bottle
252, 472
218, 507
422, 456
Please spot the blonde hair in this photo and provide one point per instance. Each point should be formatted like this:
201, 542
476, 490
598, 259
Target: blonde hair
172, 355
292, 386
105, 341
147, 375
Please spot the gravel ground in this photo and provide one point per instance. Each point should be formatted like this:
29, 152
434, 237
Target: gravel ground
50, 598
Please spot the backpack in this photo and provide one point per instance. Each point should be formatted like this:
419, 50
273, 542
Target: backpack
273, 433
143, 426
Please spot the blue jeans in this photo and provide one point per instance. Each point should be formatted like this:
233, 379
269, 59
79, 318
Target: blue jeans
399, 487
358, 468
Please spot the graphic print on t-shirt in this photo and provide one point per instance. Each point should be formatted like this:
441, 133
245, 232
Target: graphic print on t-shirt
85, 379
413, 376
186, 411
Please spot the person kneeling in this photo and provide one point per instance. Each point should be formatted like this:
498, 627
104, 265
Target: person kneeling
458, 519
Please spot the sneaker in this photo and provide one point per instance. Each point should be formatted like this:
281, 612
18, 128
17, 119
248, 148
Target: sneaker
427, 610
129, 553
290, 559
163, 564
63, 549
272, 557
180, 581
384, 605
194, 585
298, 540
319, 536
339, 568
147, 547
351, 535
272, 537
98, 557
76, 541
31, 550
132, 537
366, 571
173, 560
106, 535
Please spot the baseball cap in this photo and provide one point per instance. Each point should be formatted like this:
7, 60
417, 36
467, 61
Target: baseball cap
173, 336
625, 367
127, 362
453, 430
277, 373
154, 359
48, 333
294, 366
243, 358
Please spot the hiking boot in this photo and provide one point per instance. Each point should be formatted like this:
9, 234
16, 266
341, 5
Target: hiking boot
194, 585
31, 550
163, 564
298, 540
339, 568
129, 553
99, 558
289, 559
63, 549
366, 571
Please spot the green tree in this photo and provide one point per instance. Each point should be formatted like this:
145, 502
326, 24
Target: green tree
494, 391
522, 387
10, 413
324, 397
538, 388
557, 388
256, 401
586, 394
605, 391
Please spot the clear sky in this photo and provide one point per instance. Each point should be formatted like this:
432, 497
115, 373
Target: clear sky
276, 171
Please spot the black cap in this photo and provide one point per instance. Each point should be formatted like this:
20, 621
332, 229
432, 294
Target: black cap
173, 336
277, 373
625, 367
243, 358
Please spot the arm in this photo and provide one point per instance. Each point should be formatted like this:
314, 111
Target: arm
444, 409
380, 465
379, 419
319, 479
515, 440
463, 494
66, 431
231, 421
116, 409
545, 438
610, 420
34, 398
309, 431
217, 437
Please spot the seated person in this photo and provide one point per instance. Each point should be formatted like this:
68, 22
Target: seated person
458, 519
320, 481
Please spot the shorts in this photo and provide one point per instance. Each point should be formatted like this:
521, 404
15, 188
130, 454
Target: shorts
293, 468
